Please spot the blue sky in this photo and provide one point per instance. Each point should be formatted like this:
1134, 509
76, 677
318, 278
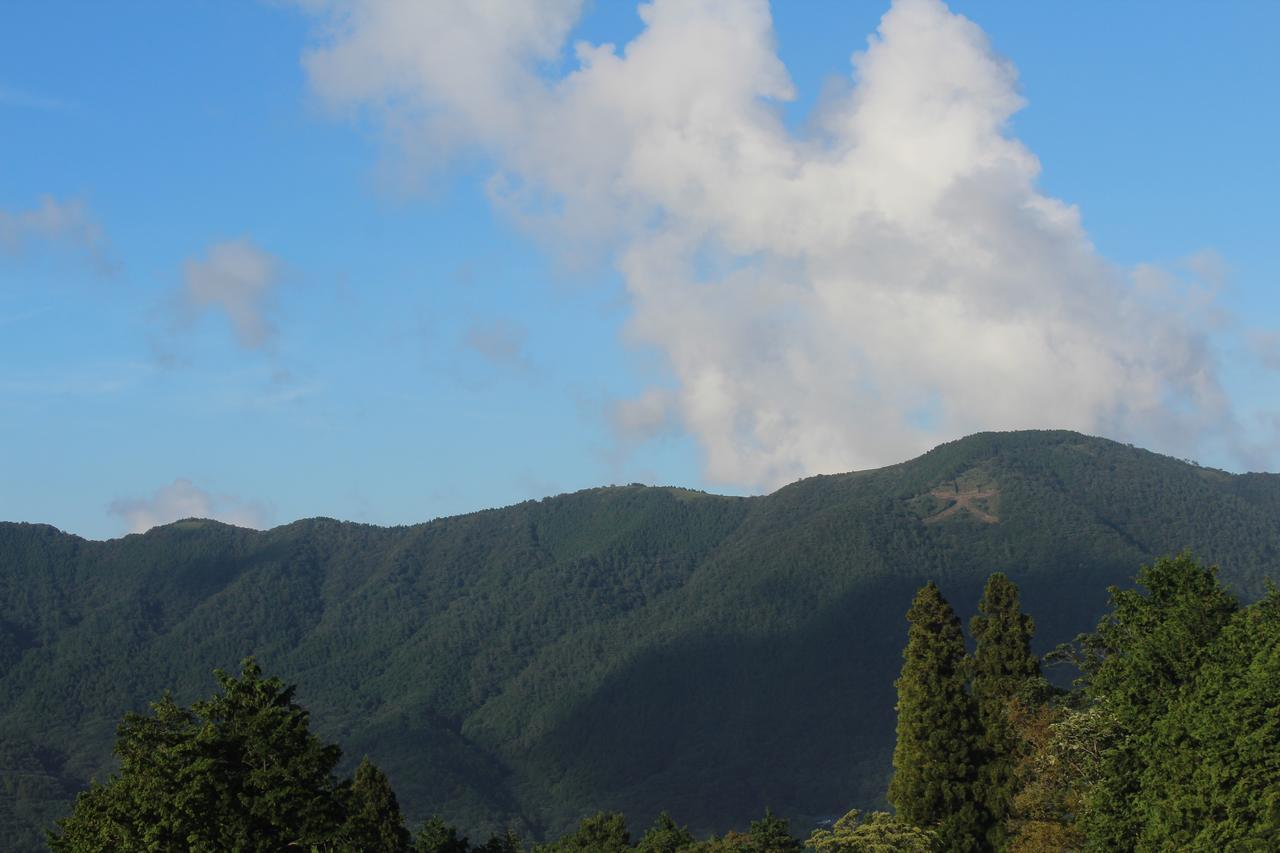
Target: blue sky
265, 261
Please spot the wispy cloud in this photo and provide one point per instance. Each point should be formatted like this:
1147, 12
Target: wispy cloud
811, 293
56, 223
183, 499
236, 279
499, 342
14, 97
84, 380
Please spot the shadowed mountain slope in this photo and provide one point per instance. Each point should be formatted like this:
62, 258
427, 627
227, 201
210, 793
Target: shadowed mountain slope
627, 648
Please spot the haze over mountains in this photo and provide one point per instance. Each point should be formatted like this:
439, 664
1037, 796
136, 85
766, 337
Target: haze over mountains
628, 648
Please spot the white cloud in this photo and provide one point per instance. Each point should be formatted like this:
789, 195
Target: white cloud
57, 223
235, 278
811, 294
183, 499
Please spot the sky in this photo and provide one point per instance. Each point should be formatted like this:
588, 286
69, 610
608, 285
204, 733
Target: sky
387, 261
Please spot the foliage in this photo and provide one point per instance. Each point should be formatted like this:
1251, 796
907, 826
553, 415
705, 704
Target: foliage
238, 771
936, 758
1059, 757
878, 832
665, 836
507, 841
374, 821
1142, 656
436, 836
1003, 669
600, 833
625, 642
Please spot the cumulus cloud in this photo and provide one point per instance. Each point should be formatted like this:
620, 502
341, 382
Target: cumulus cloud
183, 499
825, 301
57, 223
235, 278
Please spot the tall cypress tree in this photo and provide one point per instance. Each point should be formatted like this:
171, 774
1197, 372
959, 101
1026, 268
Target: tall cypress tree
374, 822
1003, 667
936, 759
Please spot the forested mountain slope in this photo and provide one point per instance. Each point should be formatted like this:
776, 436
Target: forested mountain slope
626, 648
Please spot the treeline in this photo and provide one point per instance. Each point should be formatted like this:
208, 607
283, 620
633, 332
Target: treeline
1170, 739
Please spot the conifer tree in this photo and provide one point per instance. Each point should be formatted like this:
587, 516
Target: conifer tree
374, 821
436, 836
936, 757
665, 836
1003, 668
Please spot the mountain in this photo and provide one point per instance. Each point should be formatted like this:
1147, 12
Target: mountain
628, 648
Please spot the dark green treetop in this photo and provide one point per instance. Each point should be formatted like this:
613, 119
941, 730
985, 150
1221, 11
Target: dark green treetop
436, 836
1002, 669
1144, 653
936, 758
238, 771
665, 836
772, 834
374, 821
507, 841
603, 832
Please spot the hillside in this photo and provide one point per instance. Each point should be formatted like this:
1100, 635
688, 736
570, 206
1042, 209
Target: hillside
628, 648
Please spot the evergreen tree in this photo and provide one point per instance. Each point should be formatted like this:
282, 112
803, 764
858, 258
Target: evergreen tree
1003, 668
601, 833
936, 756
665, 836
239, 771
1213, 776
507, 842
1143, 656
436, 836
772, 834
374, 821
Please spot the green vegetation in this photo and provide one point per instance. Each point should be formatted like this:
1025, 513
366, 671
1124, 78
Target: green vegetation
937, 759
1003, 671
240, 771
629, 649
1169, 742
1187, 762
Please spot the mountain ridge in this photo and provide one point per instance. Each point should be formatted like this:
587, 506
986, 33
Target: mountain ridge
630, 647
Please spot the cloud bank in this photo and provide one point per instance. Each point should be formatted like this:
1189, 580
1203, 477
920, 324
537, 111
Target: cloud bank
183, 499
825, 302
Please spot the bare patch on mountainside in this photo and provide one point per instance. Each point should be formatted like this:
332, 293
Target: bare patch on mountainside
973, 493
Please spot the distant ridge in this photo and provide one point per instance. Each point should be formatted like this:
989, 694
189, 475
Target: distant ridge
626, 647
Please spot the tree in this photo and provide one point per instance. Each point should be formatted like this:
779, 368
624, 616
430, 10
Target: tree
1060, 759
1002, 670
507, 842
772, 834
374, 821
936, 757
601, 833
1213, 777
238, 771
665, 836
1142, 656
435, 836
878, 832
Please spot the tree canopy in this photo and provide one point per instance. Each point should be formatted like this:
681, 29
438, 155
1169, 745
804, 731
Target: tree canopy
238, 771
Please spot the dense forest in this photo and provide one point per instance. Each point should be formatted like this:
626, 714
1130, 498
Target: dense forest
1169, 740
622, 650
